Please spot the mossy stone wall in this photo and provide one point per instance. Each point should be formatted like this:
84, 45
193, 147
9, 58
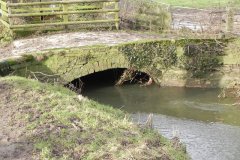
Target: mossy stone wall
192, 62
65, 65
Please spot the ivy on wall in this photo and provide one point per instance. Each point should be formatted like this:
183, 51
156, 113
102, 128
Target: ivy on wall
202, 57
199, 58
153, 57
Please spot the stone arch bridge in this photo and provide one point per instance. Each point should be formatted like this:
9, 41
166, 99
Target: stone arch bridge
65, 57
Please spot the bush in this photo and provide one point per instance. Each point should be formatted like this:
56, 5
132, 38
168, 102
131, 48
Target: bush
143, 14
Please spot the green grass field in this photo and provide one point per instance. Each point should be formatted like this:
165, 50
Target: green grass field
197, 3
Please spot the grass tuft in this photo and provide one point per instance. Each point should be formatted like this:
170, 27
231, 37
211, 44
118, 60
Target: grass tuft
198, 3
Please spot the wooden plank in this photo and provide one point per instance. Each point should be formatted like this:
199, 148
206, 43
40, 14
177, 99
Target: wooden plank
103, 25
3, 6
4, 11
4, 14
3, 3
65, 12
65, 17
4, 23
83, 7
117, 14
24, 10
63, 23
9, 12
58, 2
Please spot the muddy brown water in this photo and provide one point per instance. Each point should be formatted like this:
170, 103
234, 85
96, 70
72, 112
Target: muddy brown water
209, 126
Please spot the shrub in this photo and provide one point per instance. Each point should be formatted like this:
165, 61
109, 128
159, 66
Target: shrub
143, 14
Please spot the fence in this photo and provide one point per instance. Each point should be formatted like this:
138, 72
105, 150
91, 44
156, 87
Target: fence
31, 15
157, 16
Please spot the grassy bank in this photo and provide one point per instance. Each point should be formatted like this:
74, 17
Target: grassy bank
197, 3
51, 122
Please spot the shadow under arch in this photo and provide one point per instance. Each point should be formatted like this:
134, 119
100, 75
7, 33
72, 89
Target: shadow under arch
105, 78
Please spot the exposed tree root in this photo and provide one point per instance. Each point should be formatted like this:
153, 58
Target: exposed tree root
134, 76
127, 75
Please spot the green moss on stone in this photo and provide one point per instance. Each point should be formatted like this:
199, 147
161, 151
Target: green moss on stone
199, 58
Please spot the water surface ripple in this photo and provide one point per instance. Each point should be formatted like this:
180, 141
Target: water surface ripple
209, 126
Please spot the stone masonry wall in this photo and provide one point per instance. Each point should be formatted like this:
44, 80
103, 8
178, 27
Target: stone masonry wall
191, 63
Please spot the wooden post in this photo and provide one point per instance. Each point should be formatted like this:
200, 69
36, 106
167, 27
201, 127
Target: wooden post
65, 17
230, 19
117, 15
4, 11
41, 18
150, 25
9, 13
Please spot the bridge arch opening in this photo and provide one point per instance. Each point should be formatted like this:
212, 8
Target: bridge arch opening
109, 77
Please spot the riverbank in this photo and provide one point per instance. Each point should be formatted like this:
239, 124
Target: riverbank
41, 121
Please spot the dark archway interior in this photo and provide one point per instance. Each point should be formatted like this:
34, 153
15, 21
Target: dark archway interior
103, 79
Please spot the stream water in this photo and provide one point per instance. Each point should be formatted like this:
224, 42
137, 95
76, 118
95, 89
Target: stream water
209, 126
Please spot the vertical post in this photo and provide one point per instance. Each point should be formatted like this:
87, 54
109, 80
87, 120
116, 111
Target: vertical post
41, 17
4, 11
171, 18
9, 13
117, 15
150, 25
230, 19
65, 16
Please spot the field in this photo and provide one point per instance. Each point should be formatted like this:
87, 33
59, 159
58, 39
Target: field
197, 3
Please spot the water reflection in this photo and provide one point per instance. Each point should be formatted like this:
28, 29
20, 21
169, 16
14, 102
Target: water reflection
207, 125
190, 103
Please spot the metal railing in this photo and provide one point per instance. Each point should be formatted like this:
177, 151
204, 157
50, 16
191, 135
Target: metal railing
31, 15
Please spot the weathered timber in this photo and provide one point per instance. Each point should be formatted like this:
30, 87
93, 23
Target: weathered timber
63, 13
62, 23
58, 2
57, 13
